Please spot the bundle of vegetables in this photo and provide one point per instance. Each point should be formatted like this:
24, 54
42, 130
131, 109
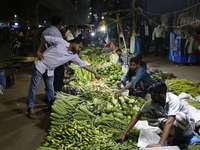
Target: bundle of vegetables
194, 103
108, 105
63, 108
91, 104
193, 147
98, 85
113, 69
179, 86
163, 76
83, 136
90, 107
117, 126
114, 77
80, 72
91, 55
71, 90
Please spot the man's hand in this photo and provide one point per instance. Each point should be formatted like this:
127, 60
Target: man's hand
120, 139
119, 92
119, 83
154, 145
40, 55
97, 76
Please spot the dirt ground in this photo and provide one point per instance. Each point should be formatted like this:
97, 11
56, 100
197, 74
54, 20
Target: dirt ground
18, 132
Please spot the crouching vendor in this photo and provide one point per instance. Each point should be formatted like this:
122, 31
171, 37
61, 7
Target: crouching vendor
137, 79
165, 111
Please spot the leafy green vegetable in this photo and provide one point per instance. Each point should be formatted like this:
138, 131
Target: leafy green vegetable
194, 103
193, 147
179, 86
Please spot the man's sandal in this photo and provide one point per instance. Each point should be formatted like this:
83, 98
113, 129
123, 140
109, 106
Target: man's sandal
31, 115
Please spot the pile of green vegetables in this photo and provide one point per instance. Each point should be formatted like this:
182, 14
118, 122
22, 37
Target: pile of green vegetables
93, 118
179, 86
75, 119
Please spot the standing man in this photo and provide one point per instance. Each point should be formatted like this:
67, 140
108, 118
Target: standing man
69, 34
165, 111
128, 35
145, 37
159, 35
54, 31
59, 53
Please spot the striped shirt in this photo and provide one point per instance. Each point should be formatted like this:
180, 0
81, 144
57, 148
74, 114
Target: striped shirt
124, 59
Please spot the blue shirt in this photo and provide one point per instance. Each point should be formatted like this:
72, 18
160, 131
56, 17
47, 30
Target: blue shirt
137, 75
56, 55
143, 65
51, 31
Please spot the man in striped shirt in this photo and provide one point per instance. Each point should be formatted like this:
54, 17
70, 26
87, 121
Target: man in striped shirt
124, 57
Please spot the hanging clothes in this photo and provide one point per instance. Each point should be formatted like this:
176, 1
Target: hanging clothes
132, 44
188, 45
137, 45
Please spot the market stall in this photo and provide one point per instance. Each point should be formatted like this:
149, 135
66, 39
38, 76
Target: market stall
182, 49
87, 114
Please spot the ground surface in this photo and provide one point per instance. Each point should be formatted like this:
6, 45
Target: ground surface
18, 132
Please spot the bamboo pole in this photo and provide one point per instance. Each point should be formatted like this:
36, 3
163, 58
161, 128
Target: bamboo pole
120, 27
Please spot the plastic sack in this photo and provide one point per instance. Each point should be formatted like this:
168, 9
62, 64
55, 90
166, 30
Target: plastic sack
147, 137
148, 134
143, 125
113, 58
185, 96
124, 69
193, 111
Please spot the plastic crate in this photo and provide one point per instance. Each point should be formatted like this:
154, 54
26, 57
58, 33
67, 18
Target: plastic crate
176, 57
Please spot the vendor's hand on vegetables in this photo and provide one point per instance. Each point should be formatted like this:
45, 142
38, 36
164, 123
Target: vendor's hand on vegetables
119, 83
97, 76
119, 92
120, 139
154, 145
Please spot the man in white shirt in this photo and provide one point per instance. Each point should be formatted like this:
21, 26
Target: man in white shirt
165, 111
69, 34
54, 30
158, 35
59, 53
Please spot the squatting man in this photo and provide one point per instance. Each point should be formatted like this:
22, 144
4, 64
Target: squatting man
165, 111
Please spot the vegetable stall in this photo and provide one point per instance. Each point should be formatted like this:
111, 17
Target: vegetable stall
87, 114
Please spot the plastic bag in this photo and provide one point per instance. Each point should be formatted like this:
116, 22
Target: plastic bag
124, 69
147, 137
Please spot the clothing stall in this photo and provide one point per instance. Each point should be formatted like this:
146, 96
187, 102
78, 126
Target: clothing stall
182, 48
